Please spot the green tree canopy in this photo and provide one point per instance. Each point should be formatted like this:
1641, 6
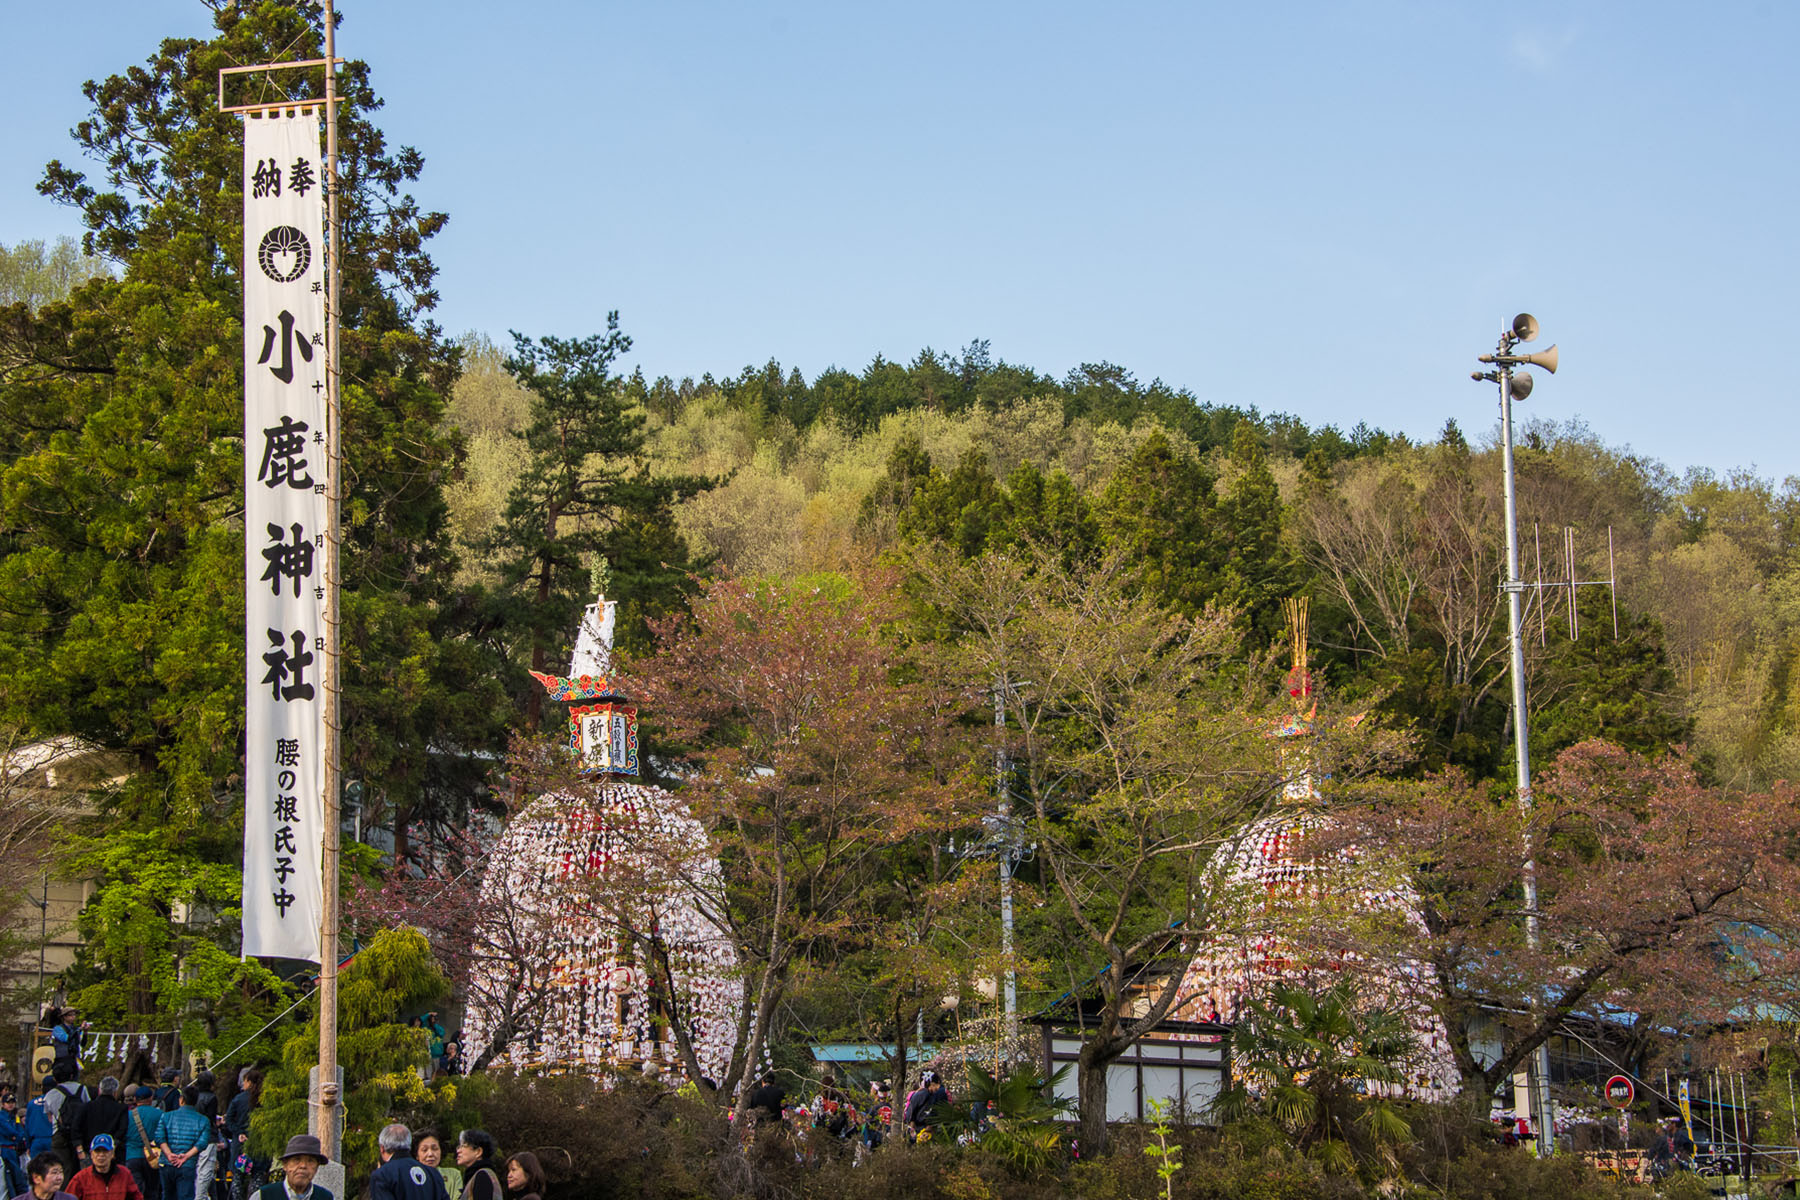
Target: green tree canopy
121, 541
585, 498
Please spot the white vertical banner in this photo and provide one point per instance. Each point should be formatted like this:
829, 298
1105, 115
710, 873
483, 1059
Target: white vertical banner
284, 534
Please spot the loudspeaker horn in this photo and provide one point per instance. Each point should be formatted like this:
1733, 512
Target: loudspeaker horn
1545, 359
1521, 385
1525, 327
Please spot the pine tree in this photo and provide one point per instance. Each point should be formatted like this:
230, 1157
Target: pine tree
586, 498
958, 507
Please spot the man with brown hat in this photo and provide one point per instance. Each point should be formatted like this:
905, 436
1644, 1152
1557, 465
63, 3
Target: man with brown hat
299, 1163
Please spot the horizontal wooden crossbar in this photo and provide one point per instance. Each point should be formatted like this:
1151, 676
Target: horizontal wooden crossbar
273, 105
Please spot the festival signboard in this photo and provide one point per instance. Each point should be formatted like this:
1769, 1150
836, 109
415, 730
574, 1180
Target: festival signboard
284, 534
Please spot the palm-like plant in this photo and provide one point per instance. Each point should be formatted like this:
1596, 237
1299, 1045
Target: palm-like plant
1307, 1061
1025, 1115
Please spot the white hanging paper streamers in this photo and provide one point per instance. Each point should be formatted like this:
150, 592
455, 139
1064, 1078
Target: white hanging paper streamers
598, 1008
284, 534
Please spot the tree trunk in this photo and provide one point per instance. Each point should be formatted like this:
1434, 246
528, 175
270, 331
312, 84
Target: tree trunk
402, 838
1090, 1083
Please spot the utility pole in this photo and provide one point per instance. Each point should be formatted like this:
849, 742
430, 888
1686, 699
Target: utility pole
1524, 329
326, 1113
1008, 850
323, 1112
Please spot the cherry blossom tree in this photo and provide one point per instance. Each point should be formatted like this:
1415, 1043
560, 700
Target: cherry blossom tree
1657, 894
820, 758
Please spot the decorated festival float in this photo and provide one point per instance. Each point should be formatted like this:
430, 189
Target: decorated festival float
593, 938
1299, 904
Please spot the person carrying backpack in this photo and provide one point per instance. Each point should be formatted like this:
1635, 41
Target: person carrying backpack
168, 1097
65, 1103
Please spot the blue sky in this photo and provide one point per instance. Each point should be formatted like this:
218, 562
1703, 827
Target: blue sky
1326, 209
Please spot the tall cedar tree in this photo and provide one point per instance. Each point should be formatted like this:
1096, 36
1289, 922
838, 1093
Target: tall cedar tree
1259, 568
587, 498
1159, 511
121, 540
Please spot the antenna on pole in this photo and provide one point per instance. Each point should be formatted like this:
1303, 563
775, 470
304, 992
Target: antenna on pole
1571, 583
1537, 537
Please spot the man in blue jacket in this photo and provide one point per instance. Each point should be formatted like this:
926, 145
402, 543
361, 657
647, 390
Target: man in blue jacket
401, 1176
13, 1142
40, 1124
184, 1134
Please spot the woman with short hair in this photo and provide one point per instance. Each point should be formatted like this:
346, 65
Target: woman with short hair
475, 1154
428, 1148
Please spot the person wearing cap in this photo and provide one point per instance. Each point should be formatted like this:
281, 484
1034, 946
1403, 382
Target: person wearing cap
13, 1142
299, 1163
143, 1125
46, 1173
103, 1178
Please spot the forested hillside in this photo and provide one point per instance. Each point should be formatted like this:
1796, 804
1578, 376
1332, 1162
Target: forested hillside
1399, 544
911, 642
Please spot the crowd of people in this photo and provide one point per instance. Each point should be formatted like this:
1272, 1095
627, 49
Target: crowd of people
836, 1116
179, 1142
411, 1169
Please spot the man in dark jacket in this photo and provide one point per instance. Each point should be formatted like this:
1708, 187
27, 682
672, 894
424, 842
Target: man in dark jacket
168, 1096
104, 1114
765, 1102
401, 1176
